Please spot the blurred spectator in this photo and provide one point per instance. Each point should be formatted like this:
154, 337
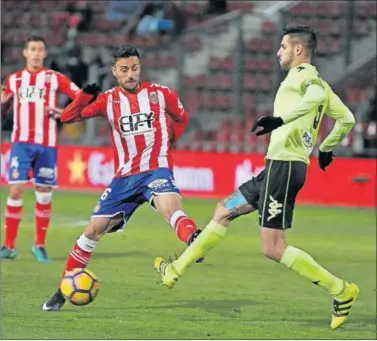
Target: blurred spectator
174, 11
87, 15
123, 10
79, 17
6, 114
74, 16
153, 20
216, 7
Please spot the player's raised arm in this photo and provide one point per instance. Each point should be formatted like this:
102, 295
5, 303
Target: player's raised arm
87, 103
344, 122
177, 112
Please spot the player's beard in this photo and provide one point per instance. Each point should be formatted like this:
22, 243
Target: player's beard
127, 86
287, 64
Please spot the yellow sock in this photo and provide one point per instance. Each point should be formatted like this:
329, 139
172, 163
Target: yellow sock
304, 265
206, 240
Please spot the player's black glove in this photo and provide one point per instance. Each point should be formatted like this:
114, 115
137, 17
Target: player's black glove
324, 159
268, 123
92, 89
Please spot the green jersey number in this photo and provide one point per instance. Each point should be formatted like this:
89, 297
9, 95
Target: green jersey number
317, 118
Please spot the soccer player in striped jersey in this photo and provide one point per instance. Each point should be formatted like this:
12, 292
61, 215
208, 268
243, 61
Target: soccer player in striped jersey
301, 101
138, 114
34, 92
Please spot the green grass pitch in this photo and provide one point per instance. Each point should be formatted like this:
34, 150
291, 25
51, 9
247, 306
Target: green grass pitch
236, 294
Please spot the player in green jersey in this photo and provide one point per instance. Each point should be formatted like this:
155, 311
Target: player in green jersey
301, 101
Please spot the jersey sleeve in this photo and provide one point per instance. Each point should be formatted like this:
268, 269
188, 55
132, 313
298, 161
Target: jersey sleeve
82, 108
66, 86
176, 111
307, 83
344, 122
307, 79
314, 96
7, 90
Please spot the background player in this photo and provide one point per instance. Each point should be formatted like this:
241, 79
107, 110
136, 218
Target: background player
138, 115
301, 101
34, 91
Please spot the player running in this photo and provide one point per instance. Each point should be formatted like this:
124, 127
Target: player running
301, 101
34, 91
138, 115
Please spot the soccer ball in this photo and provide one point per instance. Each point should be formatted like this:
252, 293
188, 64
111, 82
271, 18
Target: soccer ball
79, 286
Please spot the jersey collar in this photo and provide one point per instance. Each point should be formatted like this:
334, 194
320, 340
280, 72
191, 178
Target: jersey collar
43, 68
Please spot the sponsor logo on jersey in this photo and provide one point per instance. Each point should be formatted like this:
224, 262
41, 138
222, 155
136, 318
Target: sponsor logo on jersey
136, 124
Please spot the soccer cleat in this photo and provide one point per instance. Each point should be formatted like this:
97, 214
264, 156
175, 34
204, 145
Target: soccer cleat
40, 254
191, 240
55, 303
6, 253
342, 306
169, 275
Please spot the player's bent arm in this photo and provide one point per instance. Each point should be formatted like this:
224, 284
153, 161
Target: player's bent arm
313, 97
6, 96
80, 109
179, 127
177, 112
344, 123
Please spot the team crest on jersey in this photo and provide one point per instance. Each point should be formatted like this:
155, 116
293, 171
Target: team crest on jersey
97, 208
153, 97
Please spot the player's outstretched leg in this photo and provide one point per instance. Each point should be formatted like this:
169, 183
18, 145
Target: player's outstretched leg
343, 303
185, 229
300, 262
43, 197
170, 207
193, 236
55, 302
207, 239
81, 253
344, 293
168, 272
232, 207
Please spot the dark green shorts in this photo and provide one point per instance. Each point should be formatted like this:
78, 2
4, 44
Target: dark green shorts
274, 192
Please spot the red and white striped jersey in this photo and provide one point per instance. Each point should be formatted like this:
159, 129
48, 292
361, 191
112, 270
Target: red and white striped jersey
32, 92
141, 133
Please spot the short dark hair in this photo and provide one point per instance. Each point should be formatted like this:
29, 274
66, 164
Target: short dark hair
304, 34
34, 38
124, 51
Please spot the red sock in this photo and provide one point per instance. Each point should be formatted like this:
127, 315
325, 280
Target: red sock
13, 215
183, 225
42, 221
80, 254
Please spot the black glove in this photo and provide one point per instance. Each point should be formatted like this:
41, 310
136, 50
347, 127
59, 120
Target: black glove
268, 123
92, 89
324, 159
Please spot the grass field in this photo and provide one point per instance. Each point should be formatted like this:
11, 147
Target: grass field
235, 294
